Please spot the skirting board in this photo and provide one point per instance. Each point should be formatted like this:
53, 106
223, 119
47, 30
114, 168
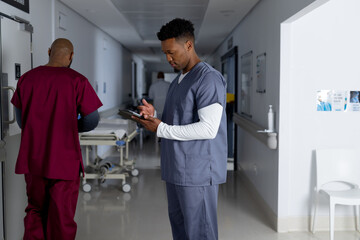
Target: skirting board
295, 224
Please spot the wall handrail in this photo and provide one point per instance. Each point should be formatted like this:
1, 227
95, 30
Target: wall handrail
267, 138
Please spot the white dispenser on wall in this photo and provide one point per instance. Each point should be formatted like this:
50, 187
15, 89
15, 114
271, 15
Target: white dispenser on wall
270, 119
270, 138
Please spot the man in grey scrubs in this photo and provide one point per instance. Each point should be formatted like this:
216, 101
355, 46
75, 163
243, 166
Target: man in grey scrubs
193, 132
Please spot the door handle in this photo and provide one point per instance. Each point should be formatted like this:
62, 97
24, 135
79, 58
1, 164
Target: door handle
12, 120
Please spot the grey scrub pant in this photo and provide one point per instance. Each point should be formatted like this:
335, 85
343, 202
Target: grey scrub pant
193, 212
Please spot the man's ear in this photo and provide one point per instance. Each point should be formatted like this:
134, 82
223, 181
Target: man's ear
71, 56
49, 51
189, 45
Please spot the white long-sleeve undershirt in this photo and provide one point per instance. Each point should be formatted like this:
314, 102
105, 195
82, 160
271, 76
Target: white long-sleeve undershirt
206, 128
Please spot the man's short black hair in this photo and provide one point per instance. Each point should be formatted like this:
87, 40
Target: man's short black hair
177, 28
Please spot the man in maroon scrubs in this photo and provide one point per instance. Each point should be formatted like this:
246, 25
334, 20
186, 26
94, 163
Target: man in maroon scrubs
48, 101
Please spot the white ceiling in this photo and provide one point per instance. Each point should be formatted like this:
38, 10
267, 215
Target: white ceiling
134, 23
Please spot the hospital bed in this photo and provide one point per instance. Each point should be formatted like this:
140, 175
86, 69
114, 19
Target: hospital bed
110, 132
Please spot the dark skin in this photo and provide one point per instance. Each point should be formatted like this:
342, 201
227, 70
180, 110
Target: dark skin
181, 55
60, 53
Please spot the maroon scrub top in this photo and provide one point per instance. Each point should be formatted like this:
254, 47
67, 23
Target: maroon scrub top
50, 99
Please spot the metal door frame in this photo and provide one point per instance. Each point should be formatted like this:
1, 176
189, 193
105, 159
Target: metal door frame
233, 53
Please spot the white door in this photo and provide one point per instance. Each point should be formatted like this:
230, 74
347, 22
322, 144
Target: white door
16, 60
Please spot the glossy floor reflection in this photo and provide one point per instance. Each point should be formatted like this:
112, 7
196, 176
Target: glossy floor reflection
108, 213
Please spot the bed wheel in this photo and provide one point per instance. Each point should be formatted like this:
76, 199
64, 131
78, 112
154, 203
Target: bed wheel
86, 187
126, 187
134, 172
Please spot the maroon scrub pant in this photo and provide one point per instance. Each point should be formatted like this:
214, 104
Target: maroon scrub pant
51, 208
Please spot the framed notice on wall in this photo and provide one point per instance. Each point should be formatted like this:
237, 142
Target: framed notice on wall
261, 73
246, 83
338, 101
20, 4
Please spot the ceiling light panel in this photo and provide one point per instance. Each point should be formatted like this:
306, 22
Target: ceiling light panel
147, 16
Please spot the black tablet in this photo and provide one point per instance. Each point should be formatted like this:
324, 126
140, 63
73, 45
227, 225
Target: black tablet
126, 113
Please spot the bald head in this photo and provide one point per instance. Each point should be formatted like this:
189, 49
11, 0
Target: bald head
61, 53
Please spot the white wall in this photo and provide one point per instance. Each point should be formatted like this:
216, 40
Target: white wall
42, 38
320, 50
260, 32
98, 56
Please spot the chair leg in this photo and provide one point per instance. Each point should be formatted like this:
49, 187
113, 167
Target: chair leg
357, 218
315, 203
332, 219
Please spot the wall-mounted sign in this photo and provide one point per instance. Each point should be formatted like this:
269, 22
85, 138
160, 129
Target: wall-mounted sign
338, 101
20, 4
17, 71
261, 73
246, 83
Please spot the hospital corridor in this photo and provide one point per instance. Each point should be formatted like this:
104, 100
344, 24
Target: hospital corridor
109, 213
179, 119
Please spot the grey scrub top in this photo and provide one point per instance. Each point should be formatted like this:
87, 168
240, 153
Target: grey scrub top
195, 162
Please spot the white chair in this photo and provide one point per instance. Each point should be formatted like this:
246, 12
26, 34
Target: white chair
337, 165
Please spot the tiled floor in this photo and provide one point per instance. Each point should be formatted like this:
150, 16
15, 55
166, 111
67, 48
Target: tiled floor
108, 213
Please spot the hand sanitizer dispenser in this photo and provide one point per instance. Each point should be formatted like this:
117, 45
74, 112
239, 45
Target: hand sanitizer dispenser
270, 119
